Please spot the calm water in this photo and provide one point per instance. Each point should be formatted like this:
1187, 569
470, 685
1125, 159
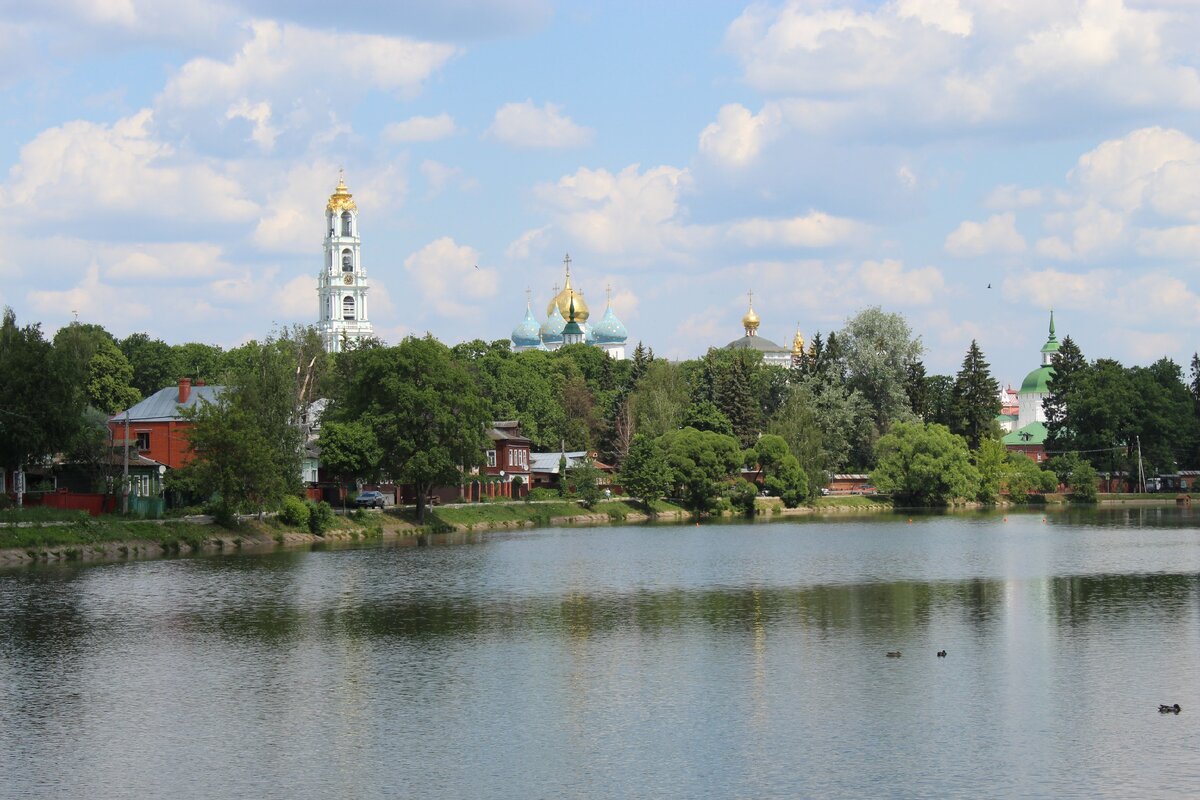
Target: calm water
658, 662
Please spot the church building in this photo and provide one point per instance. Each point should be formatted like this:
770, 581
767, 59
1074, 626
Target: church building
773, 355
1028, 433
342, 283
567, 323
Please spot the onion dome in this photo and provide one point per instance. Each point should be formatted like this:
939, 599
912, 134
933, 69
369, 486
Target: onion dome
341, 199
798, 344
528, 332
609, 329
565, 298
751, 320
552, 328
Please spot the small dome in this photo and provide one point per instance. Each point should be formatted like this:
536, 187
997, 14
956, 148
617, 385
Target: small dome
552, 328
751, 320
798, 344
609, 329
528, 332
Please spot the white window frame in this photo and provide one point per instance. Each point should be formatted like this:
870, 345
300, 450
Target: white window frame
491, 458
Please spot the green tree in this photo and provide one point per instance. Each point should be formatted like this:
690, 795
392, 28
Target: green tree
990, 459
644, 474
916, 386
939, 394
922, 464
975, 398
742, 494
583, 482
1067, 364
349, 450
704, 415
1083, 483
701, 463
1024, 478
99, 365
797, 423
880, 349
41, 400
660, 400
153, 363
424, 409
200, 362
246, 444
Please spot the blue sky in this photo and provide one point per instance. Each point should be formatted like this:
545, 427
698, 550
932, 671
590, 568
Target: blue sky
164, 166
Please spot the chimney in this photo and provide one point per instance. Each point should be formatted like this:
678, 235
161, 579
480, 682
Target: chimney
185, 390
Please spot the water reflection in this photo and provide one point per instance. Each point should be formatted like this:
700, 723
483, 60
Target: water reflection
737, 660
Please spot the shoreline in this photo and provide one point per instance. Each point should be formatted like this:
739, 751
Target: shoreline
204, 538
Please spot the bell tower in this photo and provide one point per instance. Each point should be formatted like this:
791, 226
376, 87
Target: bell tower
342, 283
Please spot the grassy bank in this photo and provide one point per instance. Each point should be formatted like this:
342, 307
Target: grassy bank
509, 515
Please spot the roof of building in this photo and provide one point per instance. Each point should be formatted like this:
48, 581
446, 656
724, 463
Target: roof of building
506, 430
1007, 417
1031, 434
548, 462
552, 328
528, 332
1038, 380
759, 343
163, 405
609, 330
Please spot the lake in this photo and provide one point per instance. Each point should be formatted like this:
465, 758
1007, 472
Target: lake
726, 660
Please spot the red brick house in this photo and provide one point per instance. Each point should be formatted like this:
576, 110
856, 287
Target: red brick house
157, 428
508, 456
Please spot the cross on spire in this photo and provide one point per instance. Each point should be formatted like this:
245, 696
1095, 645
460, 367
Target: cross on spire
750, 294
567, 261
528, 296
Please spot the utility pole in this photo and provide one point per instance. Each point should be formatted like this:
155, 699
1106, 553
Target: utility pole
125, 471
1141, 472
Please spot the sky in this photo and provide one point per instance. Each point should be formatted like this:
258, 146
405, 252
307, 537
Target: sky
164, 167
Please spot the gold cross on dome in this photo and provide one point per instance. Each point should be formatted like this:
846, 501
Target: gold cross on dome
567, 261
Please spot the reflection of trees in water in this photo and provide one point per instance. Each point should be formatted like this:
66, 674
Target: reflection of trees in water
41, 615
1077, 600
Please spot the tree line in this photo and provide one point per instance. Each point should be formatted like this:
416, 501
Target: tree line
857, 399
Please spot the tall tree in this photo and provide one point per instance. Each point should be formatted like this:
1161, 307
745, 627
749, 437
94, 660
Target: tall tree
644, 473
916, 386
99, 365
1067, 363
41, 399
924, 465
661, 399
879, 348
424, 409
976, 398
153, 363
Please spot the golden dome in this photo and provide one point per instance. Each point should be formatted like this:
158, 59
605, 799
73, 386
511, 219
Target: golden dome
798, 344
750, 321
563, 301
341, 199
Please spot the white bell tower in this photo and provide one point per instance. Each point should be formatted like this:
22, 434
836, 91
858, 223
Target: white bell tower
342, 284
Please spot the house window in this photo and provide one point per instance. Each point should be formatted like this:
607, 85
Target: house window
491, 454
347, 308
143, 441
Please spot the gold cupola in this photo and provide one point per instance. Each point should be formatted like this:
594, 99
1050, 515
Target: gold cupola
567, 297
798, 343
341, 199
751, 320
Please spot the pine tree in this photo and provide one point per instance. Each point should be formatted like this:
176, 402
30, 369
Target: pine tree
1067, 363
976, 398
917, 388
1195, 385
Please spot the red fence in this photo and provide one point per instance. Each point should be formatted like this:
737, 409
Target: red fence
94, 504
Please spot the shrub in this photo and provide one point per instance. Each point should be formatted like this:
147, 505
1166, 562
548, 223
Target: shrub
542, 494
320, 517
294, 512
741, 496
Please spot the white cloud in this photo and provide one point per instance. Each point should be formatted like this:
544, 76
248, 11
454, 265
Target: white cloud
738, 136
524, 245
1051, 288
815, 229
259, 115
420, 129
91, 298
170, 262
1158, 167
526, 125
1092, 230
297, 299
943, 66
439, 177
81, 169
888, 281
1008, 197
997, 235
448, 273
1181, 242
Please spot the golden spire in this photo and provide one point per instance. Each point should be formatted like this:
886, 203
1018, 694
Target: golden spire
750, 321
341, 199
798, 342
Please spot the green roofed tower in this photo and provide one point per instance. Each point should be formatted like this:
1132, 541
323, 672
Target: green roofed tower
1030, 433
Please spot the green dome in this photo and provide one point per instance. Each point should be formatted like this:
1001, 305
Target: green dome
1037, 381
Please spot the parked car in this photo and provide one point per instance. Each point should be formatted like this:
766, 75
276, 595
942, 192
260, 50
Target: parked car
370, 499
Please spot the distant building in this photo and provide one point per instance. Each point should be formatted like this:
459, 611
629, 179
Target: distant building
157, 427
342, 283
1029, 434
773, 355
566, 322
